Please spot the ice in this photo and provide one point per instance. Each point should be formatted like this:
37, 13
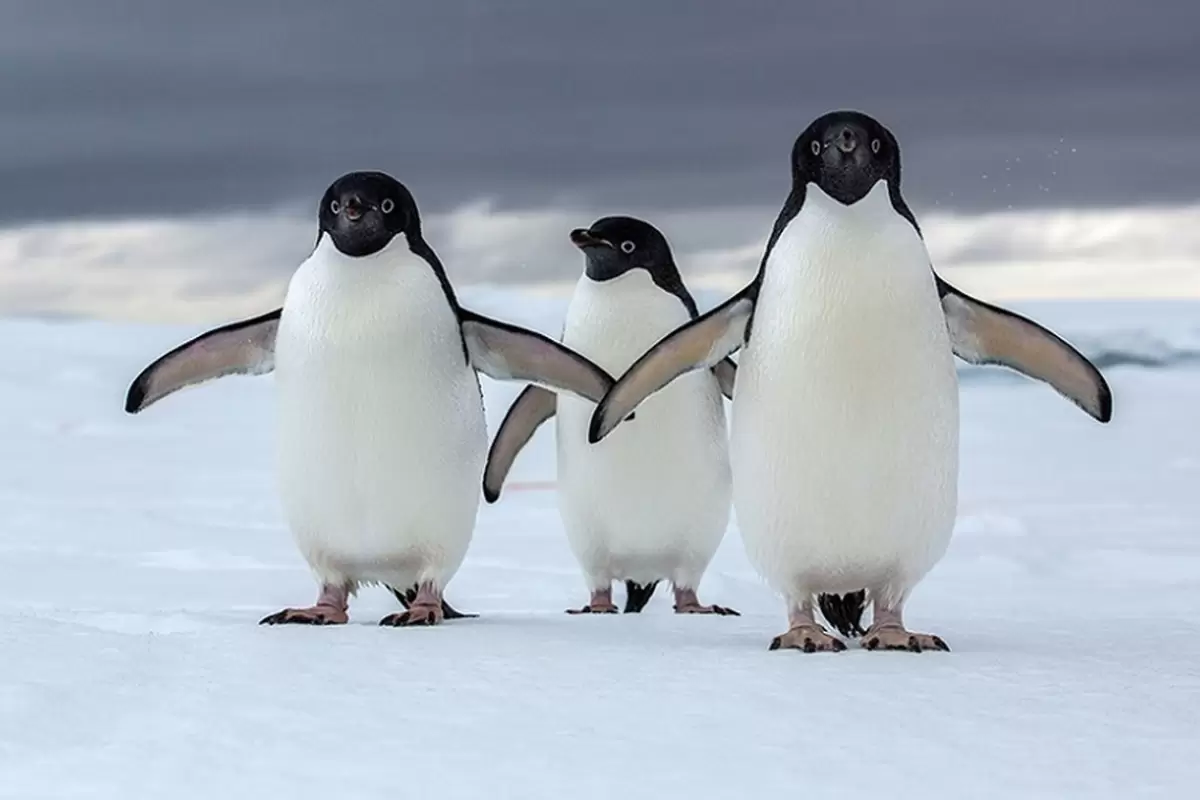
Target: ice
138, 553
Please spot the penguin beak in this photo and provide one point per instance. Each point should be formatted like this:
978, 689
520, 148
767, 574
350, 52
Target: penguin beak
353, 209
584, 239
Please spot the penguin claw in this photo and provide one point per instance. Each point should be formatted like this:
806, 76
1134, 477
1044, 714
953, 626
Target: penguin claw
594, 609
808, 639
315, 615
894, 637
417, 616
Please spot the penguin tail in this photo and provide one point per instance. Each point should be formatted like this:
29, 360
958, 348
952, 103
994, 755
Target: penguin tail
637, 595
844, 611
407, 597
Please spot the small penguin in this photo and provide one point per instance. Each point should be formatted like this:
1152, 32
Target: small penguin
652, 502
382, 436
844, 423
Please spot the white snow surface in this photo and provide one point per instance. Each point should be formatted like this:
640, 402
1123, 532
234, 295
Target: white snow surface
137, 555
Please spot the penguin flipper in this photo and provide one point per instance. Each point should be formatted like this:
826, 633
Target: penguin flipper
507, 352
240, 348
985, 334
533, 406
702, 343
726, 372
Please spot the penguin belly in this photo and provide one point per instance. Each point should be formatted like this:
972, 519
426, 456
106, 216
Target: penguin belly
652, 501
845, 418
382, 437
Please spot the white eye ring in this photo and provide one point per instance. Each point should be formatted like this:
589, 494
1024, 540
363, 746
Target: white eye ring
874, 145
628, 247
387, 205
816, 147
335, 206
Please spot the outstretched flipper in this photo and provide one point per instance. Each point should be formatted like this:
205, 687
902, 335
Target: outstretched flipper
984, 334
533, 406
702, 343
407, 598
241, 348
507, 352
726, 372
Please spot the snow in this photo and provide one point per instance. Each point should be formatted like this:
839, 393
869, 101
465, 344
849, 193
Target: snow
138, 553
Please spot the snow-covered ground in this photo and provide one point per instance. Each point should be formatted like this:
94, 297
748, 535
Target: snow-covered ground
138, 553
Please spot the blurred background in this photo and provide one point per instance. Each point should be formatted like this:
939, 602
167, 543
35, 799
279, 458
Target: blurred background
162, 161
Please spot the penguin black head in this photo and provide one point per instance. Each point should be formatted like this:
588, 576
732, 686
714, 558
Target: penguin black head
846, 153
613, 246
363, 211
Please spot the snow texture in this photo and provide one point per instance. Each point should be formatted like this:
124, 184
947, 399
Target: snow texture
137, 555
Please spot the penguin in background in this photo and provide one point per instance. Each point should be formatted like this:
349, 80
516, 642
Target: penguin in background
651, 503
844, 423
381, 429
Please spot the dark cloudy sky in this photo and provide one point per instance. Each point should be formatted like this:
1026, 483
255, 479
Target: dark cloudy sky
131, 108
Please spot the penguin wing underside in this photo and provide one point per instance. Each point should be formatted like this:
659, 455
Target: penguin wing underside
984, 334
241, 348
702, 343
507, 352
533, 406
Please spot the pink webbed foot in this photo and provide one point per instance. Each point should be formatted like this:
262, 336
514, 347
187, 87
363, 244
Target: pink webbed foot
686, 602
601, 603
896, 637
330, 609
424, 609
808, 638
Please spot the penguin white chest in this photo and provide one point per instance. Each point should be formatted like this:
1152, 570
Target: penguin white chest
845, 417
652, 500
382, 436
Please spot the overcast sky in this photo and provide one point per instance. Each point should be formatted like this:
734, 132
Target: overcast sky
149, 108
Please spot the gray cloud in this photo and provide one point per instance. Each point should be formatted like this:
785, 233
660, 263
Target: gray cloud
148, 108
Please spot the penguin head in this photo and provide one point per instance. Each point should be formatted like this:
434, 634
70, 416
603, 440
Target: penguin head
363, 211
613, 246
846, 153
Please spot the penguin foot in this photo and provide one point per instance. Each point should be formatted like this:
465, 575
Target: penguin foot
313, 615
601, 603
686, 602
414, 616
593, 608
809, 638
896, 637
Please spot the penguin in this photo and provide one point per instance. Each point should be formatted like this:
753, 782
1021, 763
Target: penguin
652, 503
381, 430
844, 419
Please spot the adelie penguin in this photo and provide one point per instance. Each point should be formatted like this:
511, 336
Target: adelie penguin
844, 429
652, 502
382, 436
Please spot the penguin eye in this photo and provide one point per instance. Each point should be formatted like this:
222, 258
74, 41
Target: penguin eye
628, 247
335, 207
874, 145
816, 147
387, 205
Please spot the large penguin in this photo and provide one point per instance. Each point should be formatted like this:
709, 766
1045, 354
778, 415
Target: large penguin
652, 502
382, 436
844, 441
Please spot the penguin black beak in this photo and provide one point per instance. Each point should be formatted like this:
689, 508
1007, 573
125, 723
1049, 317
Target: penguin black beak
583, 239
846, 140
353, 209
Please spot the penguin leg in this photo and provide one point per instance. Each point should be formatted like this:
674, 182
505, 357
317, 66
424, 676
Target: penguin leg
887, 631
426, 608
686, 602
330, 609
601, 603
804, 633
